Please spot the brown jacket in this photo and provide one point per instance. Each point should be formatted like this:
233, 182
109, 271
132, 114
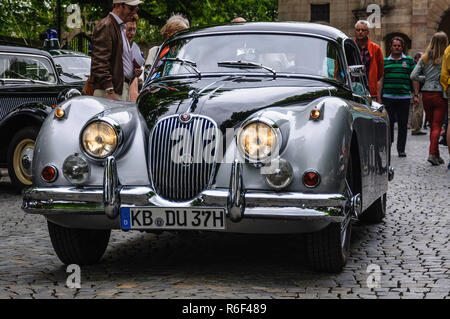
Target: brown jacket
106, 59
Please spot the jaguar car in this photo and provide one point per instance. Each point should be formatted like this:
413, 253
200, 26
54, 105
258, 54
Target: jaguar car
29, 86
256, 128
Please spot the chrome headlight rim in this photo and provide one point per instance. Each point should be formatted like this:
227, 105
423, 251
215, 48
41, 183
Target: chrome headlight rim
278, 140
290, 176
117, 129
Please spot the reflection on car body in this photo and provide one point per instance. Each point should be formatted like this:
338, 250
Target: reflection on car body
249, 128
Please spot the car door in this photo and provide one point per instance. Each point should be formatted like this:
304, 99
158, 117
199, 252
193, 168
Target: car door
371, 125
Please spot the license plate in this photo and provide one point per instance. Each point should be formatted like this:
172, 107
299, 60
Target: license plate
172, 218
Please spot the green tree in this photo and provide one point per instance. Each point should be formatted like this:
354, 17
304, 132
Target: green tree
30, 18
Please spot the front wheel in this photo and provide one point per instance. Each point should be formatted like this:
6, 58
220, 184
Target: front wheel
78, 246
20, 157
328, 249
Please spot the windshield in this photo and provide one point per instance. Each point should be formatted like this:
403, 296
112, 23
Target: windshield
26, 68
282, 54
75, 68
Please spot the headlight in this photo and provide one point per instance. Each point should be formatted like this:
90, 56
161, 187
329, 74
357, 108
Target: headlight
258, 141
99, 139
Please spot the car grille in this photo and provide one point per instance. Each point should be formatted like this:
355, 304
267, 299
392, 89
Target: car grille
186, 176
8, 104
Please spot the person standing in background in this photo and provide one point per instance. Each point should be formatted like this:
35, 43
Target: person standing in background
174, 24
417, 118
111, 67
372, 58
445, 82
396, 90
130, 29
428, 72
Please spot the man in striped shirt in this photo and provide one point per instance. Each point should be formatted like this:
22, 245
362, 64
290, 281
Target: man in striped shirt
397, 91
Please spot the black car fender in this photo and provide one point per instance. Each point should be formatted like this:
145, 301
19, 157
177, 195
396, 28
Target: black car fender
31, 114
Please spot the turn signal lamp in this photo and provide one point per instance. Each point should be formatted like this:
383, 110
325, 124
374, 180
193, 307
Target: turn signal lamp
315, 114
49, 173
311, 179
59, 113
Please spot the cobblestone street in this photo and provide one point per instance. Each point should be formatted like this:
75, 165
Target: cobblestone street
411, 246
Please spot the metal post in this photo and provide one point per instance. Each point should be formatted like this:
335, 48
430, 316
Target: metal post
58, 19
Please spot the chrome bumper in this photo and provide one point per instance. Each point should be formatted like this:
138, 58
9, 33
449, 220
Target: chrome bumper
239, 204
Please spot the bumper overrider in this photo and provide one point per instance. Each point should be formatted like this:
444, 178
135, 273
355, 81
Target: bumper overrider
239, 204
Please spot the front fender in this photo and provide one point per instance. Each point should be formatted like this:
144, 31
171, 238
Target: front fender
60, 138
321, 145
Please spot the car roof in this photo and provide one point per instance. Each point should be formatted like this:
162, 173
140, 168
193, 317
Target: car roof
281, 27
63, 52
25, 50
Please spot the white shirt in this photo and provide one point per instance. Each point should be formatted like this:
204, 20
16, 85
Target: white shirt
128, 69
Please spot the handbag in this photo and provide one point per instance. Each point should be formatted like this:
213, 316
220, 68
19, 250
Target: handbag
88, 88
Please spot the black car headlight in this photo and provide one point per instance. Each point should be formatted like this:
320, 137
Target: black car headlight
258, 141
99, 139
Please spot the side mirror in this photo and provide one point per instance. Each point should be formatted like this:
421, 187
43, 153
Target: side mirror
377, 107
59, 69
72, 93
357, 70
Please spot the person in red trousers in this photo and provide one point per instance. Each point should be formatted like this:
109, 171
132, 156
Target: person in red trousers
428, 72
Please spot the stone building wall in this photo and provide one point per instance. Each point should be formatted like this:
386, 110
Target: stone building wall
415, 20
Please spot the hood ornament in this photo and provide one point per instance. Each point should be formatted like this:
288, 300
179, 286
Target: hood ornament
185, 118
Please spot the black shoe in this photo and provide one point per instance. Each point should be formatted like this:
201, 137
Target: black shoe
401, 154
418, 133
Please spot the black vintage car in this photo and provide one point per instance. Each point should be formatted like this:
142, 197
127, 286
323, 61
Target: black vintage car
73, 67
29, 87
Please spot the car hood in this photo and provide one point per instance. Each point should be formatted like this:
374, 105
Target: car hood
228, 100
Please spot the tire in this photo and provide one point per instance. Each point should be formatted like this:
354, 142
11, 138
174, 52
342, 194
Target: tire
20, 157
327, 249
376, 212
78, 246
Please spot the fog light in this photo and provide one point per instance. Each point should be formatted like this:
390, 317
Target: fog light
49, 173
76, 169
311, 179
282, 174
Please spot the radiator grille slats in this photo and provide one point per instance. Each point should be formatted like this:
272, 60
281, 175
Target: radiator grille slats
181, 178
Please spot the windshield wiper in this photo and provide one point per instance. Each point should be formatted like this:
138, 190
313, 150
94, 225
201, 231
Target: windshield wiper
71, 75
183, 62
21, 76
246, 65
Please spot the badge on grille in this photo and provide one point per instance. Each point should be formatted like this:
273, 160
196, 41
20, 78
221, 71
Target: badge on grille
185, 118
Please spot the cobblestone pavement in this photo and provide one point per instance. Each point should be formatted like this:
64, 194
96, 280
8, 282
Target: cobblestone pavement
412, 248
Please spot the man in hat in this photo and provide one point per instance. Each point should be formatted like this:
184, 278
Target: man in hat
112, 69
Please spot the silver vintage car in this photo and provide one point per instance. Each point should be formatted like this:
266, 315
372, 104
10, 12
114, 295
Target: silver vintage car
246, 128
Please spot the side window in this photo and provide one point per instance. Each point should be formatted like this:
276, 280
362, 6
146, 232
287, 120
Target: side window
21, 67
332, 64
359, 83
